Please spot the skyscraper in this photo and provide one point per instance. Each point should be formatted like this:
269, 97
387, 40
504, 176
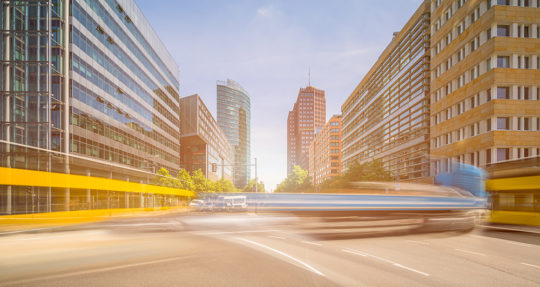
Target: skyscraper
306, 118
234, 119
86, 88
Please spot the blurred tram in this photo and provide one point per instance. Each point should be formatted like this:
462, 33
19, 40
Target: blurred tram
455, 204
514, 189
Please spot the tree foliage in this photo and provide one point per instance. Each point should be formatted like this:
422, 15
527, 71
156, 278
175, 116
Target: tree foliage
195, 182
297, 181
369, 171
250, 187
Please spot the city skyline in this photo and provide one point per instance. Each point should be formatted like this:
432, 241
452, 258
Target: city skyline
269, 47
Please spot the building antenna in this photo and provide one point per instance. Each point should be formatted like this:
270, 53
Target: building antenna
309, 76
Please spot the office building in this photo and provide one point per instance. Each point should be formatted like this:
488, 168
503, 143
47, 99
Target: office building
387, 115
306, 118
204, 145
234, 119
87, 88
485, 81
325, 152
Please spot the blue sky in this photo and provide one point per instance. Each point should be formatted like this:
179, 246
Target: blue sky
268, 47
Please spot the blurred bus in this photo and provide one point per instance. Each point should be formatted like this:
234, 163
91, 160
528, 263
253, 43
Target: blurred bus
514, 188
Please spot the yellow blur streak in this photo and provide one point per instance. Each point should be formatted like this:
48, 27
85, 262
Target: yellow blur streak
515, 217
13, 176
513, 183
62, 218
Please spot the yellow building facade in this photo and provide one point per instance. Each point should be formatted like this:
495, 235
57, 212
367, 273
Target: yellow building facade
485, 81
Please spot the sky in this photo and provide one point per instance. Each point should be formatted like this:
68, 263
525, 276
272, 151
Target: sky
268, 47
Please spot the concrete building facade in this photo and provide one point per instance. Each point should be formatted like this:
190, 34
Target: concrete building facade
203, 142
387, 116
234, 119
325, 152
306, 118
485, 81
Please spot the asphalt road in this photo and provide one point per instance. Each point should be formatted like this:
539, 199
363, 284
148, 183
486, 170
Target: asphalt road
257, 250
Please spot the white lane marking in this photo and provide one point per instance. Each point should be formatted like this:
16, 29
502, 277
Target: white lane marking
26, 230
278, 237
144, 224
234, 232
419, 242
352, 251
532, 265
97, 270
505, 241
312, 243
309, 267
365, 254
470, 252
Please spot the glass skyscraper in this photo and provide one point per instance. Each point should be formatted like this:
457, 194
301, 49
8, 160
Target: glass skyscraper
87, 88
234, 119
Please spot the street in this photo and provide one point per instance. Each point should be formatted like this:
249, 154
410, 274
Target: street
237, 249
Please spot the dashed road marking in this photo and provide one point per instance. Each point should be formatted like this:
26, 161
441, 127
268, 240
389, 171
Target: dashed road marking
278, 237
419, 242
312, 243
470, 252
365, 254
531, 265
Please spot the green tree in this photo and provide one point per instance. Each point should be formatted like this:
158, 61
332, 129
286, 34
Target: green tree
200, 182
184, 180
369, 171
227, 186
250, 187
297, 181
164, 178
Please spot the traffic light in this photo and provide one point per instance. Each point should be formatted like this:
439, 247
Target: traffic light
214, 167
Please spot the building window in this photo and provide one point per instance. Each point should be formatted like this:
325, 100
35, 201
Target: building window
502, 2
488, 156
488, 125
503, 30
503, 61
526, 124
503, 123
503, 92
503, 154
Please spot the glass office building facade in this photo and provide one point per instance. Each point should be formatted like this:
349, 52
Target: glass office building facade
234, 119
87, 88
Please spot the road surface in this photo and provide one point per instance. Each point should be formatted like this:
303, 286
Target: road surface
257, 250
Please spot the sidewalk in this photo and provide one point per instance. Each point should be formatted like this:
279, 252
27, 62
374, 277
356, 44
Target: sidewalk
28, 222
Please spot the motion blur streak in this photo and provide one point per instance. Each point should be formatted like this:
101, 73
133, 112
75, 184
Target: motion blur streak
13, 176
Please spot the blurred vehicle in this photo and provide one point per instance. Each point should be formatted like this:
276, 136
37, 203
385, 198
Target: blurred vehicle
514, 187
231, 203
207, 205
457, 203
196, 203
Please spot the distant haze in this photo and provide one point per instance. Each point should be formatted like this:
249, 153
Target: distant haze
268, 47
